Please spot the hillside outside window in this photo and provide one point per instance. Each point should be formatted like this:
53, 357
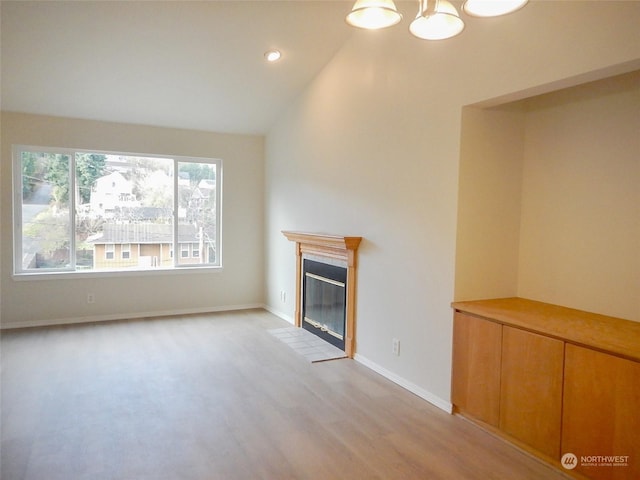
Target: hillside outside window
91, 211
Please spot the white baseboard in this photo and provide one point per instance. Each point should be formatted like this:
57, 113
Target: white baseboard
125, 316
280, 314
412, 387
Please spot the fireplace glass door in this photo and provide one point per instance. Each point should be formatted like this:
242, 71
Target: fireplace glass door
324, 301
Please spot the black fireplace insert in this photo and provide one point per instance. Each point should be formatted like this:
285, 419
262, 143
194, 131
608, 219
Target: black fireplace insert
324, 298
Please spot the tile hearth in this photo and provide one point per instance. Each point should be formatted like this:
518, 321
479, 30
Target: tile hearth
313, 348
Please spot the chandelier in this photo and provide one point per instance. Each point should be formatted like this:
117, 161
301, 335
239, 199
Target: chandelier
436, 19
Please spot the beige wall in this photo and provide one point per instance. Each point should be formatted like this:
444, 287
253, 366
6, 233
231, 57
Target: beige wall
489, 202
372, 148
549, 204
238, 283
580, 224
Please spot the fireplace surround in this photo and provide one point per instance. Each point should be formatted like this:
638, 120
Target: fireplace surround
332, 250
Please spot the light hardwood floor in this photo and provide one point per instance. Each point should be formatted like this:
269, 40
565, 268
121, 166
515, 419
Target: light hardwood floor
216, 397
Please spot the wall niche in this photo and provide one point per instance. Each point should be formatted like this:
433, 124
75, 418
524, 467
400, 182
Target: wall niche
549, 204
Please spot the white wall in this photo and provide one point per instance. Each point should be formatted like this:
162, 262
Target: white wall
580, 223
239, 283
489, 202
549, 204
372, 149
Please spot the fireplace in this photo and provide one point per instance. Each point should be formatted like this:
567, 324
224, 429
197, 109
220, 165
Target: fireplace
324, 301
338, 317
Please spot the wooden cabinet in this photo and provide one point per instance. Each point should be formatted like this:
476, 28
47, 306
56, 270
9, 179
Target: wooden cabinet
531, 389
602, 413
552, 379
510, 379
476, 367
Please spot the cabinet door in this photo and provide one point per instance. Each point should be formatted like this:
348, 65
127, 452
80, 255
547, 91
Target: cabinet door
601, 414
475, 387
531, 389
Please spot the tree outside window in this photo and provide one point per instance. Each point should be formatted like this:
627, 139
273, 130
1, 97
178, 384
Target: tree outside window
76, 209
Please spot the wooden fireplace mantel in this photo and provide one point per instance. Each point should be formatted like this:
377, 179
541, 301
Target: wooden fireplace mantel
335, 247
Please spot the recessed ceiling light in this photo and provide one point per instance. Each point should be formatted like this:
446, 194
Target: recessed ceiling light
272, 55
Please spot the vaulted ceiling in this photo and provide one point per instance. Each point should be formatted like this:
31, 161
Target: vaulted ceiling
194, 65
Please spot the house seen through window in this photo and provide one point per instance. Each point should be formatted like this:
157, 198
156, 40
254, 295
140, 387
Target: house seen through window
96, 211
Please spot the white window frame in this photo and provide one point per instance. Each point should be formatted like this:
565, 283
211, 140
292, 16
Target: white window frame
71, 271
109, 248
125, 248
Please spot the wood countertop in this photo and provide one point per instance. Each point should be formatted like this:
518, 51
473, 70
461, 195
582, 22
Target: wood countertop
608, 334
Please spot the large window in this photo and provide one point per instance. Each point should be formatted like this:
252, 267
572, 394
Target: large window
96, 211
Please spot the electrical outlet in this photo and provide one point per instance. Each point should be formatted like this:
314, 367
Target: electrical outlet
283, 296
395, 347
91, 298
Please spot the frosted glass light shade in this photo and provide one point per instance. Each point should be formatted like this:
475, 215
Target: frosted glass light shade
373, 14
492, 8
438, 24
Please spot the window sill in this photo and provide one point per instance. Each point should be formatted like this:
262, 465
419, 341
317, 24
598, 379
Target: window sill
61, 275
